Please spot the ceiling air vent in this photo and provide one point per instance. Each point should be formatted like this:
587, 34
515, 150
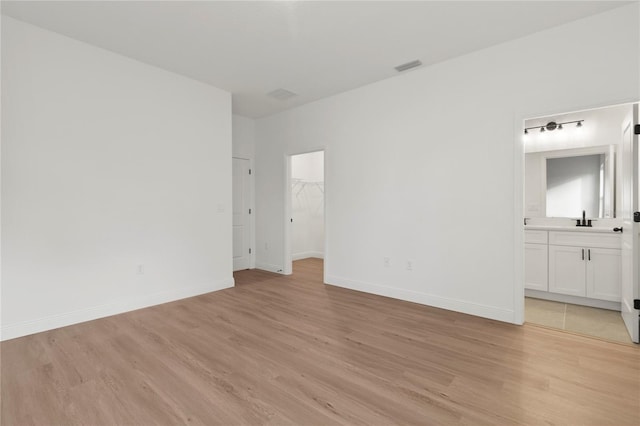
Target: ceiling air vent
408, 65
282, 94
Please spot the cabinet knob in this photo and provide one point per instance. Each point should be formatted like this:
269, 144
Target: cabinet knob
617, 229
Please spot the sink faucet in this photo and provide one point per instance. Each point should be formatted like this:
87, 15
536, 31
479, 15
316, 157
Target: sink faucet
584, 221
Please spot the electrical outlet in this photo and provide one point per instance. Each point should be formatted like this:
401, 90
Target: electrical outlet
387, 262
409, 265
140, 269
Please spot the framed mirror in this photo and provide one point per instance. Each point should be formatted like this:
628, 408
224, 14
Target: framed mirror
566, 182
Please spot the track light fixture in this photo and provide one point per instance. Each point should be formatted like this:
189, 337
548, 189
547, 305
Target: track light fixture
552, 125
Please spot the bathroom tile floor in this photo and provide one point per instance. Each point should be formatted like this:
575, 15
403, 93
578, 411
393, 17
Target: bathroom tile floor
601, 323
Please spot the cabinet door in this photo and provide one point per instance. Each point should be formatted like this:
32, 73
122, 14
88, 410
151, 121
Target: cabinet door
567, 270
604, 268
535, 267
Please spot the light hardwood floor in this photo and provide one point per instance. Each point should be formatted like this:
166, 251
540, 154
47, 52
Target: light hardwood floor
290, 350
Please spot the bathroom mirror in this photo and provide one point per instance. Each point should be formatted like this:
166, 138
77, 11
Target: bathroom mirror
576, 184
563, 183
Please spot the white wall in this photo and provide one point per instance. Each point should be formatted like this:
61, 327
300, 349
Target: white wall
427, 166
244, 137
307, 205
107, 164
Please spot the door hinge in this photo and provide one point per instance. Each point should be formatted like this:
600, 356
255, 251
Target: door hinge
636, 216
636, 303
636, 129
249, 211
249, 251
249, 171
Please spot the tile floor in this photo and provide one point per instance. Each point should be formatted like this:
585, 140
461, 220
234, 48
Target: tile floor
596, 322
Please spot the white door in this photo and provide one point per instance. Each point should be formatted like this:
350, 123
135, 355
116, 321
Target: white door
567, 271
241, 212
630, 250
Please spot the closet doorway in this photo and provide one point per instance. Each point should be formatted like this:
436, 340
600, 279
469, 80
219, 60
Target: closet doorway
305, 205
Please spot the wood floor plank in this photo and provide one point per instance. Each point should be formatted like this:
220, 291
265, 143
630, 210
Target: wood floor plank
289, 350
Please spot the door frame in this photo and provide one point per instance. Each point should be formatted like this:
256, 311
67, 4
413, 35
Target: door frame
628, 312
252, 216
288, 210
518, 183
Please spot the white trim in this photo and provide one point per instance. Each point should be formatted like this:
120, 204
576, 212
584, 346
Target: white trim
288, 215
574, 300
269, 267
51, 322
518, 244
308, 254
457, 305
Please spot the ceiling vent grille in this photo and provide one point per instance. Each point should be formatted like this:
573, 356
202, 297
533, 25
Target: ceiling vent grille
282, 94
408, 65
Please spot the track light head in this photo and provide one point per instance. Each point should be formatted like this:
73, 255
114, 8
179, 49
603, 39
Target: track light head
542, 129
560, 126
526, 131
579, 124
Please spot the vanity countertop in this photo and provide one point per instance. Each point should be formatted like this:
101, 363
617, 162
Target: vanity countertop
599, 229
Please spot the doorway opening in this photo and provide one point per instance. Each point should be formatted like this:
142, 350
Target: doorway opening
580, 241
305, 213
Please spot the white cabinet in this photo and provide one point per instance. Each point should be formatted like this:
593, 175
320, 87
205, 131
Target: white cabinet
536, 275
591, 269
567, 270
604, 274
535, 267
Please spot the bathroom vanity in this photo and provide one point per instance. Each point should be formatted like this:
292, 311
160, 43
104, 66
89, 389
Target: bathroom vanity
573, 264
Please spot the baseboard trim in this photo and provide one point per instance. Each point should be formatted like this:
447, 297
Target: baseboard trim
24, 328
307, 254
269, 267
574, 300
456, 305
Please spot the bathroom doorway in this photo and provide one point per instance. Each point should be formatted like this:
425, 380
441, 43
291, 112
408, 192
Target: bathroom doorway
577, 172
305, 204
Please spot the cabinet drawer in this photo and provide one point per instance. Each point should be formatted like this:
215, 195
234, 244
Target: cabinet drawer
584, 239
535, 237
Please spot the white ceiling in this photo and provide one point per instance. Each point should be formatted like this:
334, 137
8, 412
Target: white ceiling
315, 49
